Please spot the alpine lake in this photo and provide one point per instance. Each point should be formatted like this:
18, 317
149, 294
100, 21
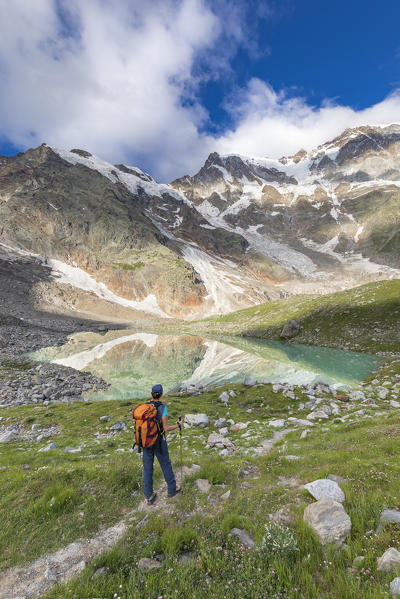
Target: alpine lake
132, 362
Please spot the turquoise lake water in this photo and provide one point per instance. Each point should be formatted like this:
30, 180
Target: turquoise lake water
133, 361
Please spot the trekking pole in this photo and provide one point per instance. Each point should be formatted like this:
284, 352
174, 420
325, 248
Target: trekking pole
181, 451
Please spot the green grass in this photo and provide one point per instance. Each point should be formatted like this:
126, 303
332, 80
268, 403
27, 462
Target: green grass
365, 318
47, 493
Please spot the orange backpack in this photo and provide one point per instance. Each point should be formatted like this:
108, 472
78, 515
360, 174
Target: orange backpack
148, 427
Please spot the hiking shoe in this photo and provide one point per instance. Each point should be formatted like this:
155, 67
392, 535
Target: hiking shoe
152, 498
178, 490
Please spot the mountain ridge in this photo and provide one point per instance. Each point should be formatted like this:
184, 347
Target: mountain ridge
239, 232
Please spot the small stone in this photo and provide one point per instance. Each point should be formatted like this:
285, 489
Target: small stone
99, 572
119, 426
389, 561
388, 517
203, 485
249, 382
185, 557
395, 404
224, 397
324, 487
278, 423
142, 522
50, 575
200, 420
221, 423
283, 516
243, 537
147, 564
49, 447
239, 426
395, 586
226, 495
35, 427
105, 419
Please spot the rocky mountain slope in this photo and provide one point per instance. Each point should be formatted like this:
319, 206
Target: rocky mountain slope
111, 241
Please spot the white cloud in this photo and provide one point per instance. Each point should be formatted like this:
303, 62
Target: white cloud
273, 124
116, 87
120, 79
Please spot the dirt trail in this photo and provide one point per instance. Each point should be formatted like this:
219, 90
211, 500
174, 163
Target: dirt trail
38, 577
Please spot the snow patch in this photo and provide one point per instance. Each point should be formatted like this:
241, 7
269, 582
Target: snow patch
77, 277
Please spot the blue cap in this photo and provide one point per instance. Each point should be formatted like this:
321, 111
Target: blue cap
157, 389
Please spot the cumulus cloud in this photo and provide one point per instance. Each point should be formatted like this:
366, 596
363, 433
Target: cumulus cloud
113, 77
273, 124
121, 79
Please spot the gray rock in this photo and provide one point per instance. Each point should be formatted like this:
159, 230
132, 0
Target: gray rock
239, 426
147, 564
49, 447
277, 423
119, 426
203, 485
105, 419
243, 537
395, 587
324, 487
50, 575
226, 495
299, 421
395, 404
221, 423
224, 397
291, 329
142, 522
73, 449
8, 436
215, 439
249, 382
329, 521
99, 572
388, 517
200, 420
35, 427
389, 561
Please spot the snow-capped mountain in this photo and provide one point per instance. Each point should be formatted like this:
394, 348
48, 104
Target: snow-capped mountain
240, 231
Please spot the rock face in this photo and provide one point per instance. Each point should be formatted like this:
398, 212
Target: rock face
324, 487
389, 561
291, 329
329, 521
200, 420
219, 240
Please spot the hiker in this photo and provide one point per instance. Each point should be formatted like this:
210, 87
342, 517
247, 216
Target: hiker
159, 449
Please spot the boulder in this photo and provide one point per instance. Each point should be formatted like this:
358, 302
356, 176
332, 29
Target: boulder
324, 487
224, 397
389, 561
388, 517
329, 521
221, 423
243, 537
291, 329
200, 420
203, 485
147, 564
8, 436
299, 421
395, 587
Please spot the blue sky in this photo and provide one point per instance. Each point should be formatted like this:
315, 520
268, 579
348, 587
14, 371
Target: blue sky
161, 84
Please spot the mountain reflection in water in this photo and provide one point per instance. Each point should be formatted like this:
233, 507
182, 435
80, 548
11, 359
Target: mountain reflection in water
132, 362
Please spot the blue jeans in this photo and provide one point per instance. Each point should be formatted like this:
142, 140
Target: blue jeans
160, 451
